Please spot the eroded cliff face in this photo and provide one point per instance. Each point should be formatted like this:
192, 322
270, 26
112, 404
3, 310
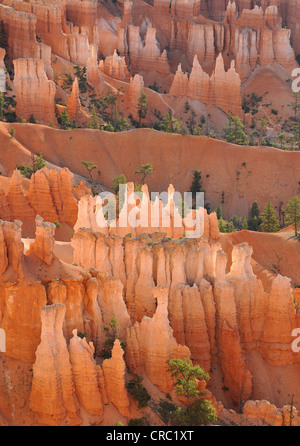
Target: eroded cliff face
264, 413
221, 89
34, 91
20, 29
188, 49
48, 21
74, 107
172, 298
215, 313
251, 36
288, 9
50, 195
70, 377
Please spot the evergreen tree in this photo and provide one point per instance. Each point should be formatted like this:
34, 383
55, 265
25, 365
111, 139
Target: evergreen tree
282, 139
245, 223
185, 375
119, 179
222, 225
121, 125
145, 170
3, 35
197, 187
37, 163
142, 107
262, 125
112, 101
254, 221
225, 226
80, 73
234, 131
191, 122
269, 221
295, 106
237, 222
64, 119
12, 132
169, 124
94, 122
292, 214
196, 184
231, 227
219, 212
90, 166
199, 411
111, 333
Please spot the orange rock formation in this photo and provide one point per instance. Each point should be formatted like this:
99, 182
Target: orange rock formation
34, 92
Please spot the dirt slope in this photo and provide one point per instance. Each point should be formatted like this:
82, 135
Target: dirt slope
244, 174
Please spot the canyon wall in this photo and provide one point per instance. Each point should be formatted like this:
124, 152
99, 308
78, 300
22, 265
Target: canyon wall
190, 55
50, 195
221, 89
230, 314
34, 91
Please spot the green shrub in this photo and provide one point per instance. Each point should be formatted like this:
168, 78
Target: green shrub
138, 391
199, 413
111, 333
138, 422
12, 132
166, 409
38, 163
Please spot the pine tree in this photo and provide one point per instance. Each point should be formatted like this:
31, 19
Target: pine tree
145, 170
94, 122
219, 212
245, 223
90, 166
119, 179
269, 221
37, 163
196, 184
3, 36
282, 139
170, 124
292, 214
254, 221
199, 411
295, 106
262, 125
234, 131
142, 107
64, 119
231, 227
222, 225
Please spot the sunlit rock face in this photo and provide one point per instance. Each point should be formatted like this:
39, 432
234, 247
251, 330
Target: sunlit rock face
34, 91
50, 196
